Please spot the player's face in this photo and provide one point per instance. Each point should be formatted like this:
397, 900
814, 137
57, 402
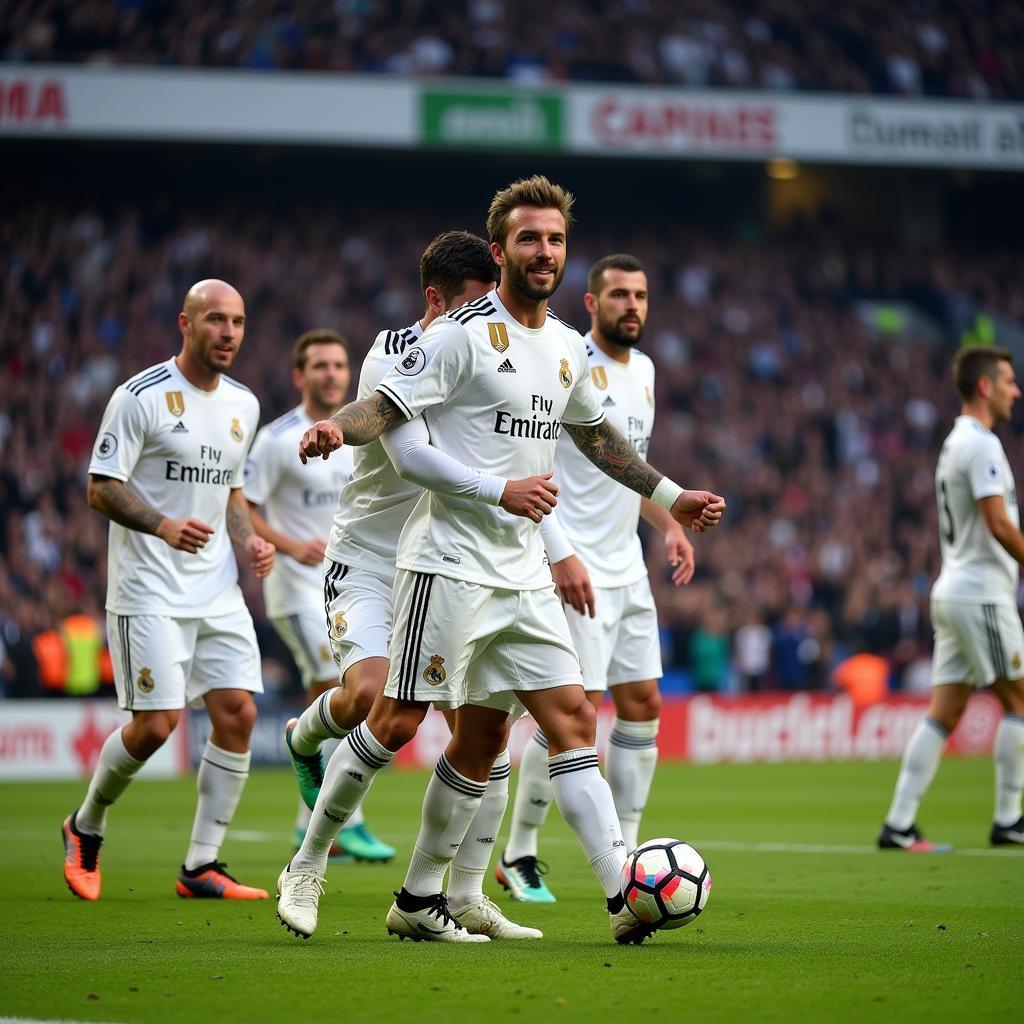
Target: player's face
533, 256
469, 292
324, 378
1004, 393
620, 308
215, 332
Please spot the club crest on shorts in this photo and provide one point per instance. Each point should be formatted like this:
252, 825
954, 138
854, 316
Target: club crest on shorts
339, 627
175, 402
236, 431
498, 334
145, 682
565, 374
434, 673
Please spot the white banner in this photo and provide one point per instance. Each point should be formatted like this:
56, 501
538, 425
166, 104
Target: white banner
62, 740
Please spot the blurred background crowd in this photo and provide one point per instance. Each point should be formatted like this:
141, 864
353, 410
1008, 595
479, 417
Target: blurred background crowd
804, 376
972, 49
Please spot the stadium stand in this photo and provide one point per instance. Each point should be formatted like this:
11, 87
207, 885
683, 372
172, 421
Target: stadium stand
923, 48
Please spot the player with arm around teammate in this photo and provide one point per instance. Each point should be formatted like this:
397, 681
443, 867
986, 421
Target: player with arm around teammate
979, 641
599, 571
476, 619
167, 471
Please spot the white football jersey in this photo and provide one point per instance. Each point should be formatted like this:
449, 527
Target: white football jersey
975, 566
183, 450
299, 501
376, 501
494, 395
608, 542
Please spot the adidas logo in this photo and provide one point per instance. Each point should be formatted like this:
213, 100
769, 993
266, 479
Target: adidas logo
179, 428
608, 401
506, 367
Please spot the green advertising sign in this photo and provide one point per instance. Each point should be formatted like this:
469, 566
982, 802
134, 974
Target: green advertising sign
527, 119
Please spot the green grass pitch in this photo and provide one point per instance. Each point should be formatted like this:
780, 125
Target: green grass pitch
806, 922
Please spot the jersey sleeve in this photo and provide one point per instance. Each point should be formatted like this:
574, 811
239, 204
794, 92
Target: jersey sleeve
583, 408
262, 469
985, 469
121, 436
431, 371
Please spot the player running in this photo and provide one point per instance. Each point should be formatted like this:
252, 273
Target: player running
359, 574
299, 503
477, 622
599, 570
167, 470
978, 636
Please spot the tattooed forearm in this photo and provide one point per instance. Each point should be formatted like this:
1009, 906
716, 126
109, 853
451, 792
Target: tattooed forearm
119, 502
238, 521
614, 455
364, 421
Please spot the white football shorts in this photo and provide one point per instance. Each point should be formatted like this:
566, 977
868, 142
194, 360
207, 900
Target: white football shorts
305, 635
456, 643
621, 644
976, 643
359, 609
163, 663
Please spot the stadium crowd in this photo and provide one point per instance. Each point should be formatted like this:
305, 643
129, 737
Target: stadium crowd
821, 430
971, 49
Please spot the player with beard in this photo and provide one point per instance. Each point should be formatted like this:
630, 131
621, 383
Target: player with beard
167, 471
477, 624
599, 570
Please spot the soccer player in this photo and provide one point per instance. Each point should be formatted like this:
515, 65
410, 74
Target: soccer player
599, 570
167, 470
359, 574
477, 622
978, 636
299, 503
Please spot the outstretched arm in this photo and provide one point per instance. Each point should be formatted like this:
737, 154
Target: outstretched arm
356, 423
615, 456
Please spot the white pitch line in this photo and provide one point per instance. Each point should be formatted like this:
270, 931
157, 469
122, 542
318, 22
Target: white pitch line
35, 1020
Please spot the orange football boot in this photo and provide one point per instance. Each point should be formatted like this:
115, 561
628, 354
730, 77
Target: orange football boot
212, 882
81, 860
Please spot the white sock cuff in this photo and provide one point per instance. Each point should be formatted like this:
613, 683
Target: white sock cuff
367, 747
1011, 719
122, 752
453, 780
634, 735
227, 759
502, 767
539, 737
578, 760
937, 726
323, 712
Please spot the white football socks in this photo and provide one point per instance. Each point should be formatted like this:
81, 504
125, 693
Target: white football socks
316, 725
449, 806
221, 779
466, 881
1008, 754
629, 767
115, 769
350, 771
586, 804
533, 799
920, 762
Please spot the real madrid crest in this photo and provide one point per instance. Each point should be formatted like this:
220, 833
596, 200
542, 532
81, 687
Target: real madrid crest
565, 374
498, 333
434, 673
339, 627
145, 682
236, 431
599, 376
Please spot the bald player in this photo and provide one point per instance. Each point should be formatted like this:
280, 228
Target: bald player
167, 471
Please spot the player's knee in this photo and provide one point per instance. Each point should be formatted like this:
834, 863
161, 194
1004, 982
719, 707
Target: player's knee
642, 707
147, 733
364, 696
393, 724
578, 727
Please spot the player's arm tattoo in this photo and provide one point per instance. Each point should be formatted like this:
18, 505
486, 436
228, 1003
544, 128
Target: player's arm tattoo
121, 503
237, 519
615, 456
364, 421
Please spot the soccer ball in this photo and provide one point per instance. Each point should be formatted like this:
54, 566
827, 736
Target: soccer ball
665, 883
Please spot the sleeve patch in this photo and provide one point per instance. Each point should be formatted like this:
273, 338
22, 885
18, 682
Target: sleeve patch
413, 362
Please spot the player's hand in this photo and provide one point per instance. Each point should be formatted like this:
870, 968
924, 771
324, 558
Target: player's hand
680, 555
533, 497
308, 552
261, 556
321, 439
572, 581
699, 510
184, 534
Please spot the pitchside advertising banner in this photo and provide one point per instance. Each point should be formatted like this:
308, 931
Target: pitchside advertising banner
358, 110
61, 740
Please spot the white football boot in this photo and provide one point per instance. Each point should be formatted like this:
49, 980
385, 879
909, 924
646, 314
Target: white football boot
486, 918
628, 928
298, 898
433, 923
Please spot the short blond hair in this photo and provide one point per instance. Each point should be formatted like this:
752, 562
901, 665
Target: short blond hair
538, 192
